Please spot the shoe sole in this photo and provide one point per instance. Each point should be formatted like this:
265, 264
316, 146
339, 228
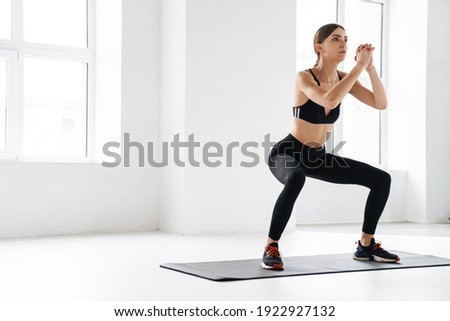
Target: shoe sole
384, 260
276, 267
377, 259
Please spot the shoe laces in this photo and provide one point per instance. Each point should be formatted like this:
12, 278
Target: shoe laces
272, 251
378, 246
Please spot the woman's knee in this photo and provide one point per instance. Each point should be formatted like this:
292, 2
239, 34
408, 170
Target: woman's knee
296, 177
386, 179
382, 180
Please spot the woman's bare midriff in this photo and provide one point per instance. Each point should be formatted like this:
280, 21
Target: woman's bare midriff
313, 135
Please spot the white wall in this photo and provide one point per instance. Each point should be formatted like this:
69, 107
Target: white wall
41, 199
418, 109
141, 70
438, 111
108, 74
406, 88
240, 68
172, 109
239, 72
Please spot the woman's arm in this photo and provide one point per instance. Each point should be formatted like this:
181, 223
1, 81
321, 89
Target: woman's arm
330, 99
376, 98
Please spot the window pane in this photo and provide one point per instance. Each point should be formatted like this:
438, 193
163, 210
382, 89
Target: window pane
311, 15
56, 22
5, 19
363, 23
361, 131
3, 96
55, 97
361, 125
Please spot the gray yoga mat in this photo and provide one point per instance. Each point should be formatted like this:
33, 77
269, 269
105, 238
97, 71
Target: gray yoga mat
300, 265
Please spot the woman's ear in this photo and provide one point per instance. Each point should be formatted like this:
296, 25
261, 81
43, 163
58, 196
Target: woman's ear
318, 47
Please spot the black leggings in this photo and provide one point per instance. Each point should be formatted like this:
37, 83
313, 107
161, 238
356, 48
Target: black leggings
291, 161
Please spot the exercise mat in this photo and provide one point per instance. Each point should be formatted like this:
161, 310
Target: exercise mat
300, 265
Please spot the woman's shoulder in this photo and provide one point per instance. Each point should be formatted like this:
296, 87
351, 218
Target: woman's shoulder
304, 72
303, 75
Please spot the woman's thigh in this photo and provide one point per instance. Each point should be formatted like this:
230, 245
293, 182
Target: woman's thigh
284, 167
342, 170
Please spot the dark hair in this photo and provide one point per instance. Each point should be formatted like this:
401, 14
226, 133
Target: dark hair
323, 33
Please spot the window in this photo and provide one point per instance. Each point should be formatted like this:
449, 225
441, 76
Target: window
46, 79
311, 15
359, 127
40, 18
8, 92
5, 19
54, 107
3, 95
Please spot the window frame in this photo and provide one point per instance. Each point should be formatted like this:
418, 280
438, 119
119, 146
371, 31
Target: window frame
12, 112
16, 49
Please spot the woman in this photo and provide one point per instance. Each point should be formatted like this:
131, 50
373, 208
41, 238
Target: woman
318, 95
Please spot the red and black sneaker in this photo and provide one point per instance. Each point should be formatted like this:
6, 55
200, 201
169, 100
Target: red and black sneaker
272, 258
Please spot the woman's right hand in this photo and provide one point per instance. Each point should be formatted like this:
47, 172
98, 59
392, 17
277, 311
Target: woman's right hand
364, 55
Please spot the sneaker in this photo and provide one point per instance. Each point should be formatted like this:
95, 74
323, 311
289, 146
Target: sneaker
374, 252
272, 258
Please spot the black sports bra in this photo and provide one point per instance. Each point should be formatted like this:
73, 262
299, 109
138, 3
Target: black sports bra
313, 112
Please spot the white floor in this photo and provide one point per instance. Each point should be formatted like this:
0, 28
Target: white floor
126, 267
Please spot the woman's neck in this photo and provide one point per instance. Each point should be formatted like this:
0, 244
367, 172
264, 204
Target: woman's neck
327, 72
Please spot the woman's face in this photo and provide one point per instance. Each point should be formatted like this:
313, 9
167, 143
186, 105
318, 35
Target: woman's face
335, 46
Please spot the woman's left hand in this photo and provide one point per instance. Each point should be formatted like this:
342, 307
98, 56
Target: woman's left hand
367, 47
